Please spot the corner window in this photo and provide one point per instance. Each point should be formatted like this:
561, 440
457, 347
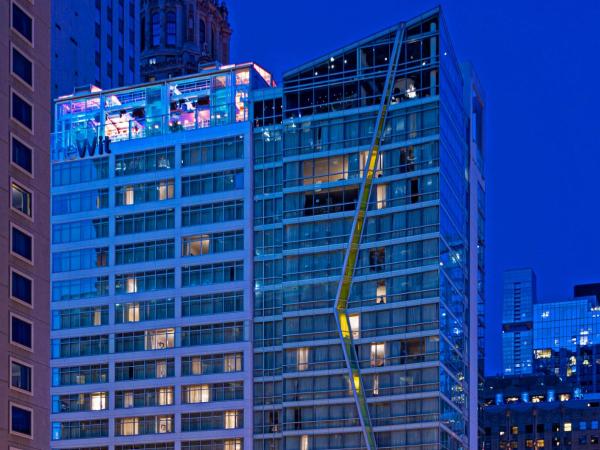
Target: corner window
20, 376
21, 420
21, 287
22, 155
22, 111
22, 66
21, 243
21, 199
21, 332
22, 22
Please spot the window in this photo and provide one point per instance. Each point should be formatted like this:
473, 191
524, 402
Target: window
155, 32
568, 426
76, 375
232, 419
21, 332
22, 111
21, 420
144, 370
79, 202
22, 66
302, 355
21, 199
21, 243
377, 354
22, 155
22, 22
80, 288
171, 29
354, 320
20, 376
21, 287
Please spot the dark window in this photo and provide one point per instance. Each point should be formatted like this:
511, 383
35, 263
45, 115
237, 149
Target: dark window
109, 70
97, 30
22, 23
20, 376
22, 67
22, 155
155, 30
132, 9
21, 332
21, 287
22, 244
97, 4
109, 41
22, 111
171, 29
121, 53
143, 33
202, 31
109, 13
97, 59
20, 420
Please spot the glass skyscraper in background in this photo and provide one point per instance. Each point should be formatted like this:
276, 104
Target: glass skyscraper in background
237, 265
520, 293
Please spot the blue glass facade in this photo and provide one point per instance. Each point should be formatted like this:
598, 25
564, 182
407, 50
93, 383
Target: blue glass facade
268, 267
517, 321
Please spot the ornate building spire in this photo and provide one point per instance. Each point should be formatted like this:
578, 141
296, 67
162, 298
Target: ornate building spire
179, 35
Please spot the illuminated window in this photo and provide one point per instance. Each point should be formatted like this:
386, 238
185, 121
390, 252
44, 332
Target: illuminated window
514, 430
302, 355
97, 316
540, 443
165, 424
161, 369
564, 397
197, 393
376, 384
377, 354
133, 312
355, 325
232, 444
543, 353
98, 401
381, 292
159, 339
232, 362
381, 196
128, 399
165, 396
231, 419
304, 442
130, 426
21, 199
568, 426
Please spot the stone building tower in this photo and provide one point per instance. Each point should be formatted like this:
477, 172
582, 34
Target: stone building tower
176, 36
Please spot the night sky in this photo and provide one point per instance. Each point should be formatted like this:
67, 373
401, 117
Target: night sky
539, 64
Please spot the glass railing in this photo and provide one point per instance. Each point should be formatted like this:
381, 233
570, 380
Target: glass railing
72, 143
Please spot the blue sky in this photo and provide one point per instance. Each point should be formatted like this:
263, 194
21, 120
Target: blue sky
539, 63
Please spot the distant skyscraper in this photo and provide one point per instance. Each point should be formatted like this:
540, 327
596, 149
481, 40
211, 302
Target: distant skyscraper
262, 268
517, 315
179, 35
94, 42
24, 227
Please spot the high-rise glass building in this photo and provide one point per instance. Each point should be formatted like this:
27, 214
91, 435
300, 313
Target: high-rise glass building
566, 341
237, 265
517, 321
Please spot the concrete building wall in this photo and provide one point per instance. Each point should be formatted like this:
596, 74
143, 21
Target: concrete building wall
25, 130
